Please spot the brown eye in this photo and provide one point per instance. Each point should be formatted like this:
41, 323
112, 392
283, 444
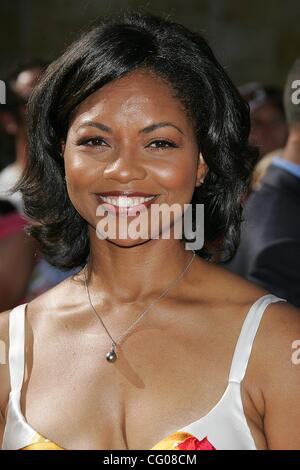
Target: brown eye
162, 144
92, 142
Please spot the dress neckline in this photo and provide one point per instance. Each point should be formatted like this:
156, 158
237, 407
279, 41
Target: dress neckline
197, 421
183, 429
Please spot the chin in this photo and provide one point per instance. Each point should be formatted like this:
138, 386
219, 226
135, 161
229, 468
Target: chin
128, 242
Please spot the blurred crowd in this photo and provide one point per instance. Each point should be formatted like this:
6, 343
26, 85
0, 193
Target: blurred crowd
269, 251
24, 273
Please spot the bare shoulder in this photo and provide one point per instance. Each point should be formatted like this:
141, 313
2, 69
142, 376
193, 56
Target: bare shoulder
226, 287
273, 377
40, 315
279, 330
275, 358
58, 299
281, 320
278, 352
280, 343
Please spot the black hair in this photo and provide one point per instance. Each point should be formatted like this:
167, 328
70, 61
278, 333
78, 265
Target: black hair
116, 47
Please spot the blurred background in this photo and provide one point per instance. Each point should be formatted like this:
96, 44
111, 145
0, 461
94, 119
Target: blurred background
257, 42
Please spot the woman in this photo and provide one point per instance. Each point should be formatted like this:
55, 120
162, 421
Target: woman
145, 336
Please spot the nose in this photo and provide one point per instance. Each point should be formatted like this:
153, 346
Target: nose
124, 169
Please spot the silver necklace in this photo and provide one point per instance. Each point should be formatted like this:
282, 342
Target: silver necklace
112, 356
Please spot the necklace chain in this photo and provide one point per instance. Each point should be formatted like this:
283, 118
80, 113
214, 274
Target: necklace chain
111, 357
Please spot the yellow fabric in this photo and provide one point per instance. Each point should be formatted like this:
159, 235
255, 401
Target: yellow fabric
168, 443
171, 442
41, 443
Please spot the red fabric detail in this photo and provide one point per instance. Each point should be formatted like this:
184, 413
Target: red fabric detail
192, 443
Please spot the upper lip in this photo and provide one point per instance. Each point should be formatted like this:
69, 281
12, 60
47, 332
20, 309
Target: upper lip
125, 193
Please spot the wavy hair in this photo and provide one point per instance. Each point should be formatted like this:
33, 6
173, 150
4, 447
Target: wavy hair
114, 48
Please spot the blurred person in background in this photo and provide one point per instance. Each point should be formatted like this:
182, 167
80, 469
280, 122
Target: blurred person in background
34, 274
20, 83
269, 250
17, 258
268, 124
7, 141
261, 169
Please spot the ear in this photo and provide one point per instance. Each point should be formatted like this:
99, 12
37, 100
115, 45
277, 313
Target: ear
202, 170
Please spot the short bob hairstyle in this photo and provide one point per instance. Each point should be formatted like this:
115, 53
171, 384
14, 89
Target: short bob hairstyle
119, 45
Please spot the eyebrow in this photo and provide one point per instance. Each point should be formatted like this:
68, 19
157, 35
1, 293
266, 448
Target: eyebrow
148, 129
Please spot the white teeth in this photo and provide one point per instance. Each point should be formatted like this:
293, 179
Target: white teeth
124, 201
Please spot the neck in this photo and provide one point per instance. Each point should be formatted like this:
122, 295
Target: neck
292, 148
128, 275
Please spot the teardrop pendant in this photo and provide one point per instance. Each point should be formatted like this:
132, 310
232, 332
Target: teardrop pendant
111, 356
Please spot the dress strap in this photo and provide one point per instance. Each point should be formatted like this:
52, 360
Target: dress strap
248, 332
16, 354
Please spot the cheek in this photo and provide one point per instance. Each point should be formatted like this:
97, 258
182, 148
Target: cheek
179, 176
79, 175
80, 171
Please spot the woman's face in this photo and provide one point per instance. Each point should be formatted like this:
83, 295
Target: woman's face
131, 135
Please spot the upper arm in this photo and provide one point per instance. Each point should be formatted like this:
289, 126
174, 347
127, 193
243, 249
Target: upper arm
281, 388
4, 369
2, 426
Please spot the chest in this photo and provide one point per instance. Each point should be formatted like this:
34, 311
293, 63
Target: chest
163, 380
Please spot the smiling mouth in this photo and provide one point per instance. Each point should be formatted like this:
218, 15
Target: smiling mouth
128, 206
125, 201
